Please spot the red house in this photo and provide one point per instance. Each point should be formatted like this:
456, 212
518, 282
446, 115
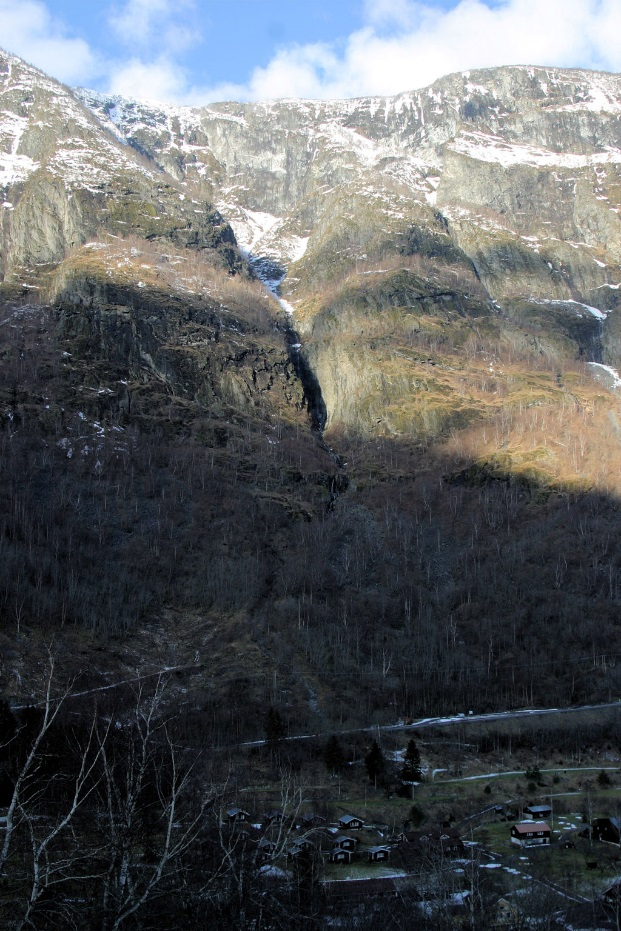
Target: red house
531, 834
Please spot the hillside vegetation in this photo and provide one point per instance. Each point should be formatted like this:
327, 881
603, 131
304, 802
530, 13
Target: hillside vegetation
400, 499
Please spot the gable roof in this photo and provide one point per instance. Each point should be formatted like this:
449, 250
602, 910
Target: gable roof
530, 826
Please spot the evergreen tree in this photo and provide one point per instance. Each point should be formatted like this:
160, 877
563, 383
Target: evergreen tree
333, 755
274, 725
417, 816
411, 763
375, 763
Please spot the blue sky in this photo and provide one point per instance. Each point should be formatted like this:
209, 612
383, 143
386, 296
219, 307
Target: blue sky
196, 51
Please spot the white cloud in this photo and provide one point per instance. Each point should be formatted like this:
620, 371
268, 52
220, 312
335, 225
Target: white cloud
161, 80
404, 45
169, 28
161, 22
28, 29
389, 13
407, 44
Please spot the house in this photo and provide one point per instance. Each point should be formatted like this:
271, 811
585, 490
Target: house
340, 855
350, 822
347, 843
311, 820
607, 829
613, 893
444, 840
237, 814
304, 843
538, 812
377, 854
273, 816
531, 834
265, 850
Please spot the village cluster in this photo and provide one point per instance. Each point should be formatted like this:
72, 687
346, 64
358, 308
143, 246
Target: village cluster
353, 860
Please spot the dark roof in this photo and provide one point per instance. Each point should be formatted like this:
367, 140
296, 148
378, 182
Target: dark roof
433, 834
530, 826
615, 822
266, 844
310, 817
340, 851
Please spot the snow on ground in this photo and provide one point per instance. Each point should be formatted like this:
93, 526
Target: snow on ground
616, 378
288, 308
599, 102
257, 225
15, 168
600, 314
298, 247
488, 148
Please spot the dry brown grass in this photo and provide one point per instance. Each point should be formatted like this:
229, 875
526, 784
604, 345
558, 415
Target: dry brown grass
163, 267
571, 441
368, 274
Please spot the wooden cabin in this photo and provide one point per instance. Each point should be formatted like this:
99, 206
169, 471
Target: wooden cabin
378, 854
531, 834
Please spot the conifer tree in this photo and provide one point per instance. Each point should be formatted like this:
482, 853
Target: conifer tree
375, 763
411, 763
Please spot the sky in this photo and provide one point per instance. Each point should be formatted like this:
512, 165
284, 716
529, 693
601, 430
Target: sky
200, 51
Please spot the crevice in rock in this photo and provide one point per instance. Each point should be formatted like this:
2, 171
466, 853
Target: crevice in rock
313, 396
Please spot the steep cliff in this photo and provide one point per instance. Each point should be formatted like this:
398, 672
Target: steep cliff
508, 178
62, 178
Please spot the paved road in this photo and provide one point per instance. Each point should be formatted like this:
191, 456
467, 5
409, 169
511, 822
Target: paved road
444, 722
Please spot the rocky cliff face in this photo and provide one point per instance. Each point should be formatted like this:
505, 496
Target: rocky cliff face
483, 208
63, 178
508, 178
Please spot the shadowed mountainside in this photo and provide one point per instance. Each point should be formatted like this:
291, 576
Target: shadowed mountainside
400, 499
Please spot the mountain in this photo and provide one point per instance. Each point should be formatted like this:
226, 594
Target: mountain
502, 184
325, 391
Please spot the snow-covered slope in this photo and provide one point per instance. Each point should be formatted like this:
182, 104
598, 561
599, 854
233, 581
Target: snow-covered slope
533, 152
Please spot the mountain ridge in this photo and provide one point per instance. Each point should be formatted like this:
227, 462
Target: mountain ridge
422, 396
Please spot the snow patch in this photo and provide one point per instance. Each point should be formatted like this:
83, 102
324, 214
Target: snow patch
600, 314
616, 378
485, 147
